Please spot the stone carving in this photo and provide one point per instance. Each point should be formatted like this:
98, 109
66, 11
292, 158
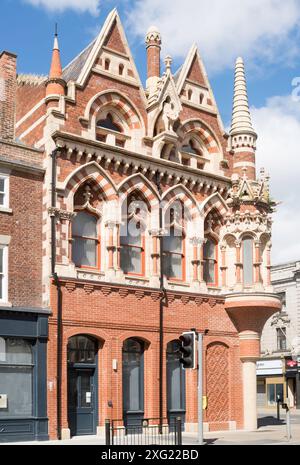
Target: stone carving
170, 114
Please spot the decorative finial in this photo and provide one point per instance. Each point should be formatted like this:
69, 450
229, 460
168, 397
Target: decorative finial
241, 118
168, 63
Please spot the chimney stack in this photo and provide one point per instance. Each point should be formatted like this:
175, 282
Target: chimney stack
153, 46
8, 85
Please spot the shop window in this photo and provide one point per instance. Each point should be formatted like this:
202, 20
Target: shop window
16, 377
85, 241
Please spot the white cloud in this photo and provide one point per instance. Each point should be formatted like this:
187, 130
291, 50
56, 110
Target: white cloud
223, 29
278, 127
92, 6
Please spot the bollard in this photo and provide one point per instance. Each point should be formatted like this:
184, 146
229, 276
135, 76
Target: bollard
107, 432
179, 431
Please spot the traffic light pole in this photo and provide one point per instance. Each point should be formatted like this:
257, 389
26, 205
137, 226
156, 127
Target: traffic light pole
200, 389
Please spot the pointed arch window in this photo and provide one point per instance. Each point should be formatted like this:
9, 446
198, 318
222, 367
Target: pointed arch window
174, 246
210, 262
132, 237
247, 248
85, 240
109, 123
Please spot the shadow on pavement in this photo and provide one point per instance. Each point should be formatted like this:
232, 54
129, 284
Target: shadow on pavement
269, 421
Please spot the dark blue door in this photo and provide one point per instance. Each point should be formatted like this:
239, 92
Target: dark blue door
175, 384
82, 386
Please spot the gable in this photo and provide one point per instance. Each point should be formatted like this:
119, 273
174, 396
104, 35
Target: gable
195, 74
114, 40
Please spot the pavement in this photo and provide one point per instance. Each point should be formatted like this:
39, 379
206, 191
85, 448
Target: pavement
270, 432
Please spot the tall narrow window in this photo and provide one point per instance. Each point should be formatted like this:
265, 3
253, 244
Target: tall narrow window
132, 237
121, 69
210, 262
248, 261
3, 191
281, 339
190, 94
3, 273
106, 64
85, 241
173, 259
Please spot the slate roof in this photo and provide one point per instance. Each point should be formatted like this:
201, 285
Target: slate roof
72, 71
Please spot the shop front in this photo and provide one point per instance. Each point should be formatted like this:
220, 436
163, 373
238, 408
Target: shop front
23, 393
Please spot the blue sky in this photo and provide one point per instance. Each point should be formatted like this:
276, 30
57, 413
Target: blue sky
265, 32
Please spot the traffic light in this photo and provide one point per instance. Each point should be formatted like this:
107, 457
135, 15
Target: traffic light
188, 350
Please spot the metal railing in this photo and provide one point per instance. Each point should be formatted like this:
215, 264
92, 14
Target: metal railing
146, 432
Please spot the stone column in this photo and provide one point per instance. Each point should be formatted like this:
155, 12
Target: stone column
250, 352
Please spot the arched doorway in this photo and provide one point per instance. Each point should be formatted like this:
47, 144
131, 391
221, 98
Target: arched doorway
176, 406
133, 381
82, 385
217, 383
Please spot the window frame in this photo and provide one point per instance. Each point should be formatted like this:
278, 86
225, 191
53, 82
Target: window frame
5, 193
4, 274
247, 237
97, 240
216, 262
281, 336
142, 248
183, 258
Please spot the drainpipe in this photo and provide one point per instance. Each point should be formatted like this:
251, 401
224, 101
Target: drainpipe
161, 307
59, 295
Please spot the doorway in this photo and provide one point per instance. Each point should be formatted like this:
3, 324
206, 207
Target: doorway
82, 385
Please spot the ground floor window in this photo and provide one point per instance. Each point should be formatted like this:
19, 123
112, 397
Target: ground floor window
16, 378
275, 391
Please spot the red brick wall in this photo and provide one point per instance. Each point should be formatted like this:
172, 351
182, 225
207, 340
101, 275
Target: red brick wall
111, 316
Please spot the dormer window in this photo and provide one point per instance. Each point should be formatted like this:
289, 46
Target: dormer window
108, 123
190, 94
121, 69
201, 98
106, 64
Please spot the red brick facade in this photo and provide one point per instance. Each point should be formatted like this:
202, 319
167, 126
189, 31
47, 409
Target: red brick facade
105, 303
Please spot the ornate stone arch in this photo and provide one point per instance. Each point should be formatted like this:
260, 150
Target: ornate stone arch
214, 202
92, 171
181, 193
115, 99
205, 133
138, 182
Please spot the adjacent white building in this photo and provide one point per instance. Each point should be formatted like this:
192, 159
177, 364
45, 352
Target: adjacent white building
277, 370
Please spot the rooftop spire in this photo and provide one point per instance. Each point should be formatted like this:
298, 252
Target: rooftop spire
241, 118
55, 82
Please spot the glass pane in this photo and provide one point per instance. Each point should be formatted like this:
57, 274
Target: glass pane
173, 266
84, 224
133, 235
209, 249
173, 242
131, 260
84, 252
279, 392
1, 287
1, 184
81, 349
1, 199
85, 390
18, 351
16, 383
271, 394
248, 261
209, 271
132, 375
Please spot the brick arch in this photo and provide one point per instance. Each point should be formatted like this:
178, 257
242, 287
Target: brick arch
120, 103
214, 203
217, 383
91, 171
138, 182
203, 131
182, 194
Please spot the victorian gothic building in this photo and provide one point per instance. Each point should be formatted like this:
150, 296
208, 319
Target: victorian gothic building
153, 222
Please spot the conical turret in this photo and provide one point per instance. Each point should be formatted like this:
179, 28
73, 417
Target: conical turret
55, 84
